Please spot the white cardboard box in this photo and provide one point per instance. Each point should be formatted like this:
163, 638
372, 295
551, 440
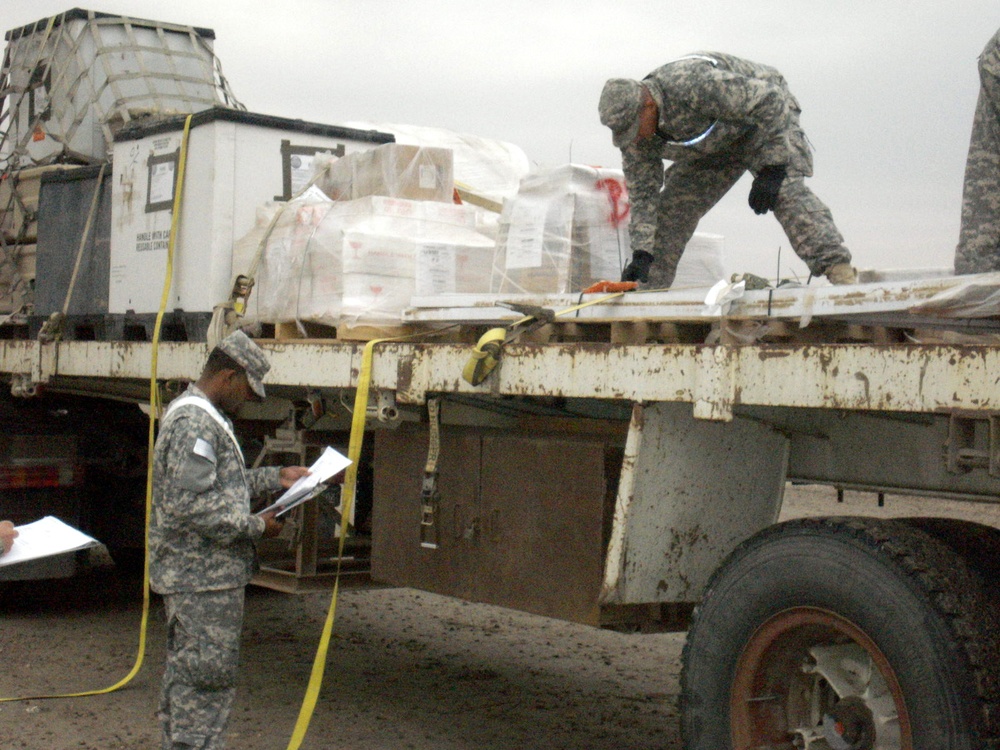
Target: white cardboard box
361, 261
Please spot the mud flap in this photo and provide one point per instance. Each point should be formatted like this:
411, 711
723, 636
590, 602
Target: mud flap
690, 491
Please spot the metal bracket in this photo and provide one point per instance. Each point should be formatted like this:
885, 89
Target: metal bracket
430, 497
973, 443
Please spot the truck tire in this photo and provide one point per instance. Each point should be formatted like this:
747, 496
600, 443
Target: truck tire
843, 633
977, 544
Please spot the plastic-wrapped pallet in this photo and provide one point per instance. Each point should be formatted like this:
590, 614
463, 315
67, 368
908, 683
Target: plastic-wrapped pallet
565, 229
360, 262
298, 273
394, 170
488, 167
487, 171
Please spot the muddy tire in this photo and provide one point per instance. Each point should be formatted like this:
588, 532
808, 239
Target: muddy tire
871, 633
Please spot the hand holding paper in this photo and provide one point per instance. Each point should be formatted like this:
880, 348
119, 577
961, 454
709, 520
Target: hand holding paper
329, 464
45, 537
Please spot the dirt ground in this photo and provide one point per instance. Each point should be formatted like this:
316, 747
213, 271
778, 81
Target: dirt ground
406, 669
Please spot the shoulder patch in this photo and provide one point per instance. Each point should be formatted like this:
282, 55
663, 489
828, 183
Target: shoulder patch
204, 449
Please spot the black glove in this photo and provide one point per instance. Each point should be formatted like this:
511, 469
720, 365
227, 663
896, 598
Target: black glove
638, 267
767, 183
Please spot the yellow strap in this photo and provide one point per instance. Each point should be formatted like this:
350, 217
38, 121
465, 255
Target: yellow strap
348, 494
588, 303
347, 497
154, 404
485, 357
486, 354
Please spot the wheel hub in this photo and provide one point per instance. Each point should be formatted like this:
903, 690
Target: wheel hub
849, 725
809, 678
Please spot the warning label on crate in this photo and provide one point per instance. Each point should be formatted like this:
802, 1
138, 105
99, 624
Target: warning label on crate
161, 182
156, 240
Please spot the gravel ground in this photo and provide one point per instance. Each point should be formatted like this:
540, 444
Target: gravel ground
406, 669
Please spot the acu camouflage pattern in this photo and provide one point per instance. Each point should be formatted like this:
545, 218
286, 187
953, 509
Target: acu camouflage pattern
756, 123
242, 349
201, 533
978, 248
202, 555
199, 683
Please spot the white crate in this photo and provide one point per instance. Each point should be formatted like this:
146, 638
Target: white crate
235, 162
71, 80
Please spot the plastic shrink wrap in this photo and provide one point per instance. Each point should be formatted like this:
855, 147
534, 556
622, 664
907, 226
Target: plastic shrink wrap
294, 259
393, 170
17, 275
568, 227
487, 171
701, 265
360, 261
977, 297
489, 168
565, 229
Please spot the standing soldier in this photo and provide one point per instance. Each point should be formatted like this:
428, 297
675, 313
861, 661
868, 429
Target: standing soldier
978, 248
201, 541
714, 116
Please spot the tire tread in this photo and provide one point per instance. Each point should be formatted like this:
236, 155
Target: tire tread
959, 593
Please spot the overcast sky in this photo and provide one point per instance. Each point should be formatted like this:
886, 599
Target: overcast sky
887, 88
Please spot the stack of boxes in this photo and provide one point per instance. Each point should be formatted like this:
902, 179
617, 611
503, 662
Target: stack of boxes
566, 228
384, 229
379, 227
394, 170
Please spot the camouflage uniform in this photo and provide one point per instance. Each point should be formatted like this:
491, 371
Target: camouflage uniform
979, 238
202, 555
720, 116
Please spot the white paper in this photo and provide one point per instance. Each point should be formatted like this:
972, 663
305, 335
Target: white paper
722, 295
330, 463
526, 234
436, 269
161, 183
45, 537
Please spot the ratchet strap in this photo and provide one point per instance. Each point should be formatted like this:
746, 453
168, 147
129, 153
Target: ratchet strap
347, 504
486, 354
430, 497
154, 406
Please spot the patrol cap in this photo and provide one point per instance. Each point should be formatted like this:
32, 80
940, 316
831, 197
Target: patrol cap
621, 103
249, 356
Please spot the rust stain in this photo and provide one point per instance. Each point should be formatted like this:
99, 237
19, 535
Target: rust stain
864, 379
766, 354
404, 373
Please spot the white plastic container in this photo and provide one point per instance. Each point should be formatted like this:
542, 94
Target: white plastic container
235, 162
73, 79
